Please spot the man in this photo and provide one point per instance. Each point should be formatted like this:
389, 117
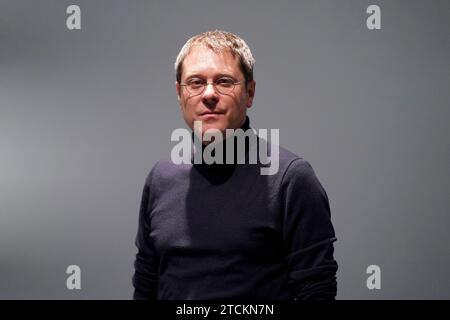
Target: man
212, 231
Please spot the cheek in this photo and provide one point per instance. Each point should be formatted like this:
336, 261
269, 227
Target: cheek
187, 105
236, 102
240, 104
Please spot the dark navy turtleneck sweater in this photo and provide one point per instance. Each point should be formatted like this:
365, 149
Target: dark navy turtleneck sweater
226, 231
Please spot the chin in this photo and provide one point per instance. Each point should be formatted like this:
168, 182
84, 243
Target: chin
213, 124
207, 127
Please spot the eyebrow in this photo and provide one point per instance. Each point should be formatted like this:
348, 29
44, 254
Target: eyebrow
220, 75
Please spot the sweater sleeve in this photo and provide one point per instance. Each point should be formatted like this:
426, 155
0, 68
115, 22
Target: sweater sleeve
145, 278
308, 234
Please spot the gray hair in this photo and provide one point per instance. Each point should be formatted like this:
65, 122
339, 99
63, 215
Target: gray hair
219, 41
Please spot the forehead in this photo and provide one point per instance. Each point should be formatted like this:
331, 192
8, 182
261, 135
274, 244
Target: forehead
204, 61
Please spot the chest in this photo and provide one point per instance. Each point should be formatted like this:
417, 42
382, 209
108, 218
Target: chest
236, 217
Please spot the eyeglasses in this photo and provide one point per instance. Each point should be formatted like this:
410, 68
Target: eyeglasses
196, 86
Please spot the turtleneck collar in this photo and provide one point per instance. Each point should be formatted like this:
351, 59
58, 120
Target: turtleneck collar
218, 172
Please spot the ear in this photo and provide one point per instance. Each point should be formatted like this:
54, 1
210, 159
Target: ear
178, 89
251, 85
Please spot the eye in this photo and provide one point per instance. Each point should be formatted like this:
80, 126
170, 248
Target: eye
225, 82
195, 82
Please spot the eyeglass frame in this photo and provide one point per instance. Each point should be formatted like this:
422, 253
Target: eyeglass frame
214, 86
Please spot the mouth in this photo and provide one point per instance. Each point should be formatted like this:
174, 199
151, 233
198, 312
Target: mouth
210, 113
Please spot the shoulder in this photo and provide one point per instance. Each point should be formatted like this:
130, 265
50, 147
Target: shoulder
291, 163
165, 172
297, 172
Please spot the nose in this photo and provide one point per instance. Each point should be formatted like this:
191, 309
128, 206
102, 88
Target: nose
210, 95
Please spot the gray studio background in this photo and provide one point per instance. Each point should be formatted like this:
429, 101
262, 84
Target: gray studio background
85, 114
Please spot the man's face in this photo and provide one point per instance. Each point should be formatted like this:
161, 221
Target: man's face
215, 110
